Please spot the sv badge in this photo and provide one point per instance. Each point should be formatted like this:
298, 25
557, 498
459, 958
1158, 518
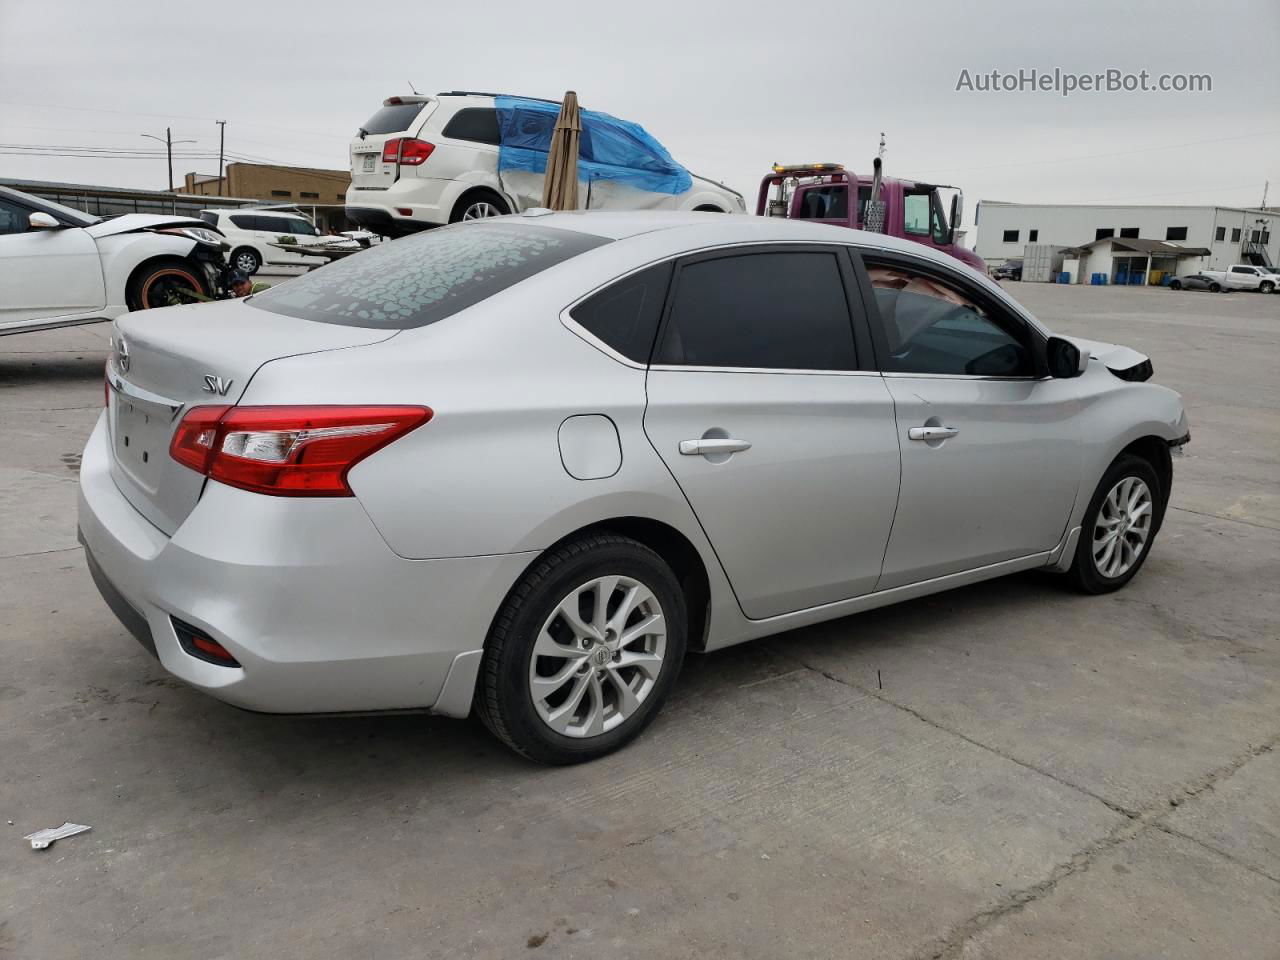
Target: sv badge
217, 385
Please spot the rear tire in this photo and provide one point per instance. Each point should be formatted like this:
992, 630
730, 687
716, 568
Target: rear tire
1119, 526
1175, 284
246, 260
1215, 288
161, 285
479, 206
563, 688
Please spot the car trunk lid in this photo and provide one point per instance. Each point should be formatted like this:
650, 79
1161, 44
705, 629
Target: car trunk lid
398, 117
169, 360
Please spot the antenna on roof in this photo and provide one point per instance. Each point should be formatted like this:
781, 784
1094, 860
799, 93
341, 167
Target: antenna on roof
411, 87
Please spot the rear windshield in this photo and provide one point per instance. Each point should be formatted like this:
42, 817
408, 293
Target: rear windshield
392, 119
426, 277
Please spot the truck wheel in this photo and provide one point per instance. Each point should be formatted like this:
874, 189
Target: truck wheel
1266, 286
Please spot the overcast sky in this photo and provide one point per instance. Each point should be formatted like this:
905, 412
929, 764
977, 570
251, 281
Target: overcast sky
726, 91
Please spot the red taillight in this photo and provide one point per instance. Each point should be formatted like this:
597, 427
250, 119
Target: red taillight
192, 444
288, 451
407, 151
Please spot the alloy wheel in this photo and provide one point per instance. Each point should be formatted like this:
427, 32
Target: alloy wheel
481, 210
598, 656
246, 262
1122, 528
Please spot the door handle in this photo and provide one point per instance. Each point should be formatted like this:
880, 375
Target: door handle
712, 445
932, 433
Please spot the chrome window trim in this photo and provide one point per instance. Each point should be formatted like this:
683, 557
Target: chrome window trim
567, 321
792, 371
900, 375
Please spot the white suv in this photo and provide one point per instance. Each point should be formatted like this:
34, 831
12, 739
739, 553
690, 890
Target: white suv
253, 235
422, 161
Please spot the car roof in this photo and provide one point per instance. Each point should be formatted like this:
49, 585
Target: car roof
274, 213
720, 228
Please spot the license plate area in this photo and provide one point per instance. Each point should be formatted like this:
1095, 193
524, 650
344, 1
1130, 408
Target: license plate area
369, 160
140, 433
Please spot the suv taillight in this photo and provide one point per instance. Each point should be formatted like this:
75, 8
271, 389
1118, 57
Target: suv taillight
407, 151
287, 451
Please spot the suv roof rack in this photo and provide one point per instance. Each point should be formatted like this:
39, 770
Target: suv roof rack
481, 93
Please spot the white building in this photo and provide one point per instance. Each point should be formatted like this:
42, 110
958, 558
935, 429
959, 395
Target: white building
1229, 234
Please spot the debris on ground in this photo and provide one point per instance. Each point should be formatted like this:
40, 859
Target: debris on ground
41, 839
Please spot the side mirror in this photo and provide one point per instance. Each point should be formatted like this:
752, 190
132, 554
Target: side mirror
42, 221
1064, 359
957, 211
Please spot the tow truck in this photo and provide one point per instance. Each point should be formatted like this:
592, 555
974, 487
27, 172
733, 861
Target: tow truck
909, 209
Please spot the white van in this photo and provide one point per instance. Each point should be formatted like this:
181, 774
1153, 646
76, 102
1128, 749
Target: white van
252, 235
422, 161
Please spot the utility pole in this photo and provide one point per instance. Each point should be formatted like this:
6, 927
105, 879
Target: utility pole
168, 142
222, 139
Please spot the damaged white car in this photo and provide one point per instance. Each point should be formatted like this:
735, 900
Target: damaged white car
60, 267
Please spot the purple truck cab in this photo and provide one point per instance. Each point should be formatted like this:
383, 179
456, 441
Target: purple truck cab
913, 210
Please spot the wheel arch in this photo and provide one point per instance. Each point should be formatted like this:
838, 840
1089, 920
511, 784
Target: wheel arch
674, 548
1154, 450
473, 193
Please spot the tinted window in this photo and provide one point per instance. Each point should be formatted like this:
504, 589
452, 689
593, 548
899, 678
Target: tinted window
302, 228
626, 314
1175, 233
931, 326
209, 217
1128, 233
824, 203
1221, 234
426, 277
393, 119
13, 218
770, 310
244, 221
1033, 236
1235, 234
1103, 232
1011, 236
478, 124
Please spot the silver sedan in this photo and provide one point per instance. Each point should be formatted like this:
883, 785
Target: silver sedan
523, 466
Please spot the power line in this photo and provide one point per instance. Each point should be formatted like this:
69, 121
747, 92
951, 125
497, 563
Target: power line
137, 113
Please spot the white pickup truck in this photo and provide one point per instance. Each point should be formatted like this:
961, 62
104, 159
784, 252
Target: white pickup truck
1245, 276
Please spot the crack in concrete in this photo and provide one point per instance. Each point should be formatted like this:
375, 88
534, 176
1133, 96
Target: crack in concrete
1136, 822
1165, 828
1218, 516
38, 553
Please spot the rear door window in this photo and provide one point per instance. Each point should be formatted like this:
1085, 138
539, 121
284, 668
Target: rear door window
426, 277
244, 221
769, 310
625, 315
477, 124
395, 118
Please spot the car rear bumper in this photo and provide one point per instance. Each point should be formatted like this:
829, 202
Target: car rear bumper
429, 202
319, 612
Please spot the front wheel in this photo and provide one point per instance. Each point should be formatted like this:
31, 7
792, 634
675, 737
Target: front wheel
584, 651
165, 285
1215, 288
1119, 526
1175, 284
1266, 286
